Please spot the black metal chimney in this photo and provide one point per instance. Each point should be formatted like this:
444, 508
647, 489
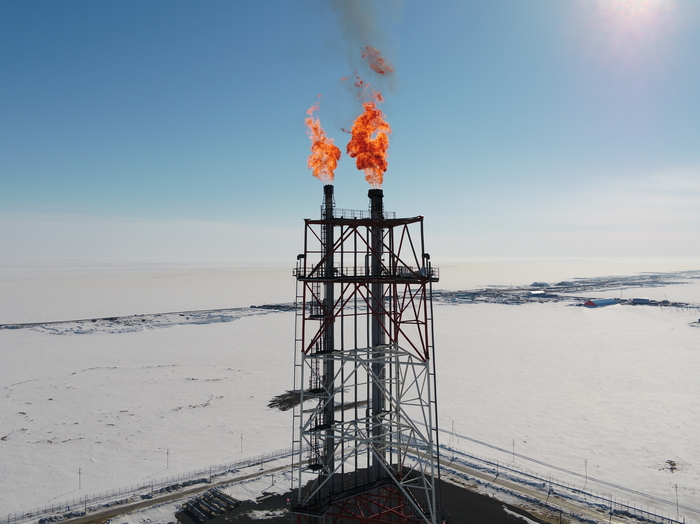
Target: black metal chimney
329, 335
328, 201
378, 322
376, 203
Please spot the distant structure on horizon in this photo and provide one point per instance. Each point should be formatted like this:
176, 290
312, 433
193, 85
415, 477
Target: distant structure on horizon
600, 302
365, 429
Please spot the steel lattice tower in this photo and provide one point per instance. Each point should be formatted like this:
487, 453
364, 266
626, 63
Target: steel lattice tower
365, 439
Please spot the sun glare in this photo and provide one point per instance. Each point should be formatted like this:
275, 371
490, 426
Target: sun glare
632, 15
633, 30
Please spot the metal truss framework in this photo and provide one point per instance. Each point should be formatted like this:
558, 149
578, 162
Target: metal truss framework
366, 425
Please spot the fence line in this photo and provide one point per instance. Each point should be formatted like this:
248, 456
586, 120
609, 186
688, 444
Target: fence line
78, 507
603, 501
569, 472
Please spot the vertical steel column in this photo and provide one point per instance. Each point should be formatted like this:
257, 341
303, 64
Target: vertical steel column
328, 337
378, 321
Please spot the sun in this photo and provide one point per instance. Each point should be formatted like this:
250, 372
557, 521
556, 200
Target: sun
632, 31
633, 15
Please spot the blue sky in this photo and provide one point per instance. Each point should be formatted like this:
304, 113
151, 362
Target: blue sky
171, 131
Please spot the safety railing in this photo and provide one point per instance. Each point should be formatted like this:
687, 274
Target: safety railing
605, 503
78, 507
404, 272
354, 214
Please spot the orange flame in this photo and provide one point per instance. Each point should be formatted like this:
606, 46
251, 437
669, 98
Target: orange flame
324, 154
370, 153
376, 62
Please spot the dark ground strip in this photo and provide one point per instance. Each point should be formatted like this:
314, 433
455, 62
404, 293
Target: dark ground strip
464, 506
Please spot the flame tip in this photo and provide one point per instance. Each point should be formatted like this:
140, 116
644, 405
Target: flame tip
376, 62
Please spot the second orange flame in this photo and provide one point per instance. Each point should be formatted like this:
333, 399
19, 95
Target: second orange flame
369, 143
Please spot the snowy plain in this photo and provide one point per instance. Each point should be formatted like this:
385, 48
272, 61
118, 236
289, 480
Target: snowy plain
610, 391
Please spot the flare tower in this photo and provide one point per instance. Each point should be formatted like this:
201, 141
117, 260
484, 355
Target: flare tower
365, 428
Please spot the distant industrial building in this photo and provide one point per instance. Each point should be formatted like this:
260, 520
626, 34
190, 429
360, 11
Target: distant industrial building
600, 302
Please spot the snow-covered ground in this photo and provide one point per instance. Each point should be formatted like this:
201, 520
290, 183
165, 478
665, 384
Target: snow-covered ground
615, 387
86, 413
